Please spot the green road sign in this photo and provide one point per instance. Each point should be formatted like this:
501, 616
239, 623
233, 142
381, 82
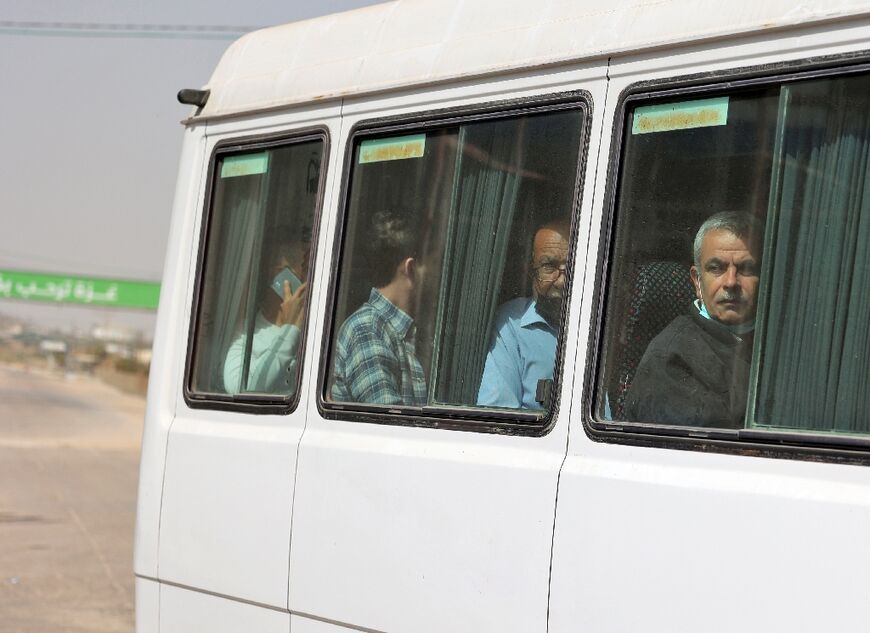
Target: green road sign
15, 284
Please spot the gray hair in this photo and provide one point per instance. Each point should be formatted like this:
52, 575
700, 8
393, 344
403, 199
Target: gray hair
742, 225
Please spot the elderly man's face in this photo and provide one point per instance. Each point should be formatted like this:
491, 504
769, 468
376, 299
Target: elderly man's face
727, 282
550, 253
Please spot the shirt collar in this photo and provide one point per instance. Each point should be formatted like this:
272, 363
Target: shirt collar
398, 320
532, 317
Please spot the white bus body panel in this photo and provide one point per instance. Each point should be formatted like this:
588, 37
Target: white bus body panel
147, 604
674, 540
397, 44
186, 611
170, 340
398, 528
229, 480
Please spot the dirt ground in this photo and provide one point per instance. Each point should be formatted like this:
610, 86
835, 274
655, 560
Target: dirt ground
69, 453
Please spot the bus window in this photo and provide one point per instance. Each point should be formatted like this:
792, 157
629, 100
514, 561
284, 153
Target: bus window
252, 309
737, 295
454, 264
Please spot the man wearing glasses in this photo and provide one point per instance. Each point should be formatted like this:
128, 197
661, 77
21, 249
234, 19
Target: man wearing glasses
523, 348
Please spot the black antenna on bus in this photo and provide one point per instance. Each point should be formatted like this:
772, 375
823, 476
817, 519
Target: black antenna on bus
191, 96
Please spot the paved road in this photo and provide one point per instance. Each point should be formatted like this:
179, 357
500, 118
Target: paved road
69, 452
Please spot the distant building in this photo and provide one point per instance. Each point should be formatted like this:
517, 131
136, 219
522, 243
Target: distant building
53, 346
113, 334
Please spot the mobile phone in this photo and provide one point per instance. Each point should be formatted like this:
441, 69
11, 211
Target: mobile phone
285, 275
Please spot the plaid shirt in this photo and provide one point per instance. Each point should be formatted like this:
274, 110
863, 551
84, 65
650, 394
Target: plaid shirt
375, 359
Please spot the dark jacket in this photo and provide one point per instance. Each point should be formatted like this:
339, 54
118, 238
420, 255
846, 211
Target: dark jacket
695, 372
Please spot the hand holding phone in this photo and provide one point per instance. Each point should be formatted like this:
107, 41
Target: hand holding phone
291, 290
285, 275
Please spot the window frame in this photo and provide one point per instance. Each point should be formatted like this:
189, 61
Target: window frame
804, 446
251, 403
516, 422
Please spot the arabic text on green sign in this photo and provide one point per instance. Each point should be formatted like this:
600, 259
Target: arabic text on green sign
82, 290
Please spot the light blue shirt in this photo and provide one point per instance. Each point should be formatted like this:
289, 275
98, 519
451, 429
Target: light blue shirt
522, 351
273, 363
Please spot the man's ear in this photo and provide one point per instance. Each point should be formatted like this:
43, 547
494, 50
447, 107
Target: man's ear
696, 282
408, 267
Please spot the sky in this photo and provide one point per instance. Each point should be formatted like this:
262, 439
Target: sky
90, 132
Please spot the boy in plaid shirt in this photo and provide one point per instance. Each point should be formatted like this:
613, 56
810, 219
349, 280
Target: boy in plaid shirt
375, 352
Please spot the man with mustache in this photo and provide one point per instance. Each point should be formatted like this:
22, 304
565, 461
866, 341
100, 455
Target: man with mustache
523, 347
696, 371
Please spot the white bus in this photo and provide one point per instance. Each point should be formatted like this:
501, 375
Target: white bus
518, 316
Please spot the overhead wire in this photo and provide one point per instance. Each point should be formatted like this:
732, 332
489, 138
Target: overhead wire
122, 30
106, 30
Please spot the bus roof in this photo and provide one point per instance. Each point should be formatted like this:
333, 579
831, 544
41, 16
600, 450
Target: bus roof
414, 42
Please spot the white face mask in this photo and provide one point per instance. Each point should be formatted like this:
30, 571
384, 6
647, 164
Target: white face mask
739, 328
